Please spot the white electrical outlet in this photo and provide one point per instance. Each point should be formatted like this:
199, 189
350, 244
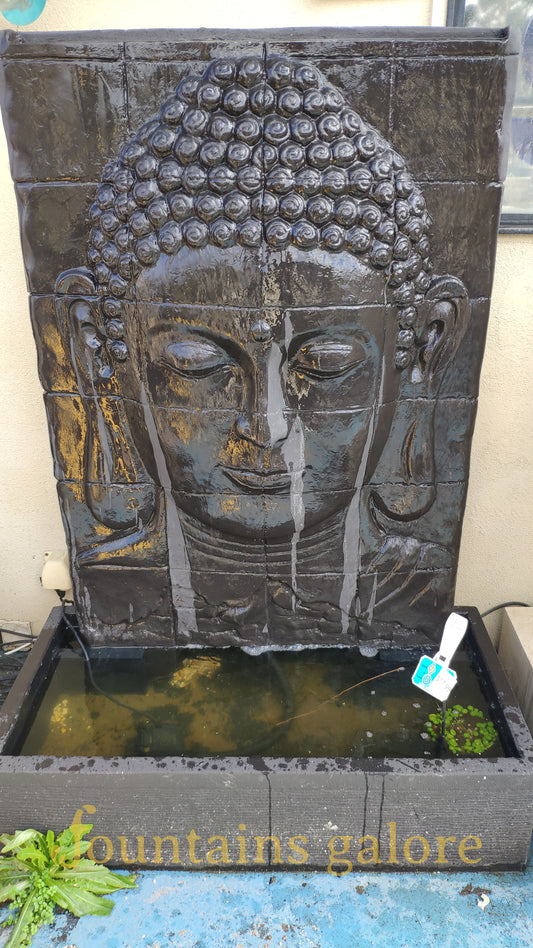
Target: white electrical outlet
55, 573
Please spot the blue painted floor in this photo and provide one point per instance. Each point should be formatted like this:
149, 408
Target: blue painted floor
308, 910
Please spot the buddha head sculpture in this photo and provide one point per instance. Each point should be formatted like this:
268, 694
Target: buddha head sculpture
258, 303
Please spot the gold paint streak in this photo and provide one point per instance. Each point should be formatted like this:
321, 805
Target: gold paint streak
183, 427
113, 424
181, 388
230, 504
409, 440
421, 593
100, 529
398, 564
239, 452
78, 491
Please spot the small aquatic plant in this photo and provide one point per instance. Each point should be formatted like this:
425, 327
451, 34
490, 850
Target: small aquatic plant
465, 730
38, 872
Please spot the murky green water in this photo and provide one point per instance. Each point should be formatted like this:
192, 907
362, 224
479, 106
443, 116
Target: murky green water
195, 703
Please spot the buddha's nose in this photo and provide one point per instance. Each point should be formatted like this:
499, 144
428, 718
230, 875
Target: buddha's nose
262, 420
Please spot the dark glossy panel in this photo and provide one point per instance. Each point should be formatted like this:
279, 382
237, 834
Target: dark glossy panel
53, 223
56, 371
123, 606
437, 103
193, 45
136, 526
363, 80
454, 426
264, 350
441, 525
149, 87
159, 44
464, 239
85, 111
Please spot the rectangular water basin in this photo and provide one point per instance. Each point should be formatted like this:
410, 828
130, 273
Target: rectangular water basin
319, 759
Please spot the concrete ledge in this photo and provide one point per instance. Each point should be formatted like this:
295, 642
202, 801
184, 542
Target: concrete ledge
516, 655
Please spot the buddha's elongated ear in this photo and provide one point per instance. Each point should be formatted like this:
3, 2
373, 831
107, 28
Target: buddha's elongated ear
443, 318
406, 470
118, 490
77, 309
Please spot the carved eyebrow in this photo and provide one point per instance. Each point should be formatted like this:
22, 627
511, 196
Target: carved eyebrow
180, 327
194, 350
327, 347
172, 324
332, 335
180, 330
328, 358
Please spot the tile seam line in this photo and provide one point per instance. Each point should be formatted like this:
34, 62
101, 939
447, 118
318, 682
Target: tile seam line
123, 53
424, 571
37, 295
125, 87
303, 412
227, 493
420, 182
269, 791
263, 256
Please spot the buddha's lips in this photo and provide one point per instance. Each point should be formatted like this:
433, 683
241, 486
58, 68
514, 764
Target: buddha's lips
258, 481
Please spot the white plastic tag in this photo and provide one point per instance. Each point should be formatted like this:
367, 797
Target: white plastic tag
436, 679
433, 675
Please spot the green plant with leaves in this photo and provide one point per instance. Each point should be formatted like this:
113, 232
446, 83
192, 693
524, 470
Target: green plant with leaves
38, 872
465, 730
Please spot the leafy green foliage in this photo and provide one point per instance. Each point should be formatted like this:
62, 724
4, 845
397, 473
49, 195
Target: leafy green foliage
465, 730
38, 872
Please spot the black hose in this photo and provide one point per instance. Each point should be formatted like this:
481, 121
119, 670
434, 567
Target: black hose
30, 639
250, 749
503, 605
71, 627
10, 666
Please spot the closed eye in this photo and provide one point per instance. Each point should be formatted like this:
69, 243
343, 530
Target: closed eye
327, 359
193, 358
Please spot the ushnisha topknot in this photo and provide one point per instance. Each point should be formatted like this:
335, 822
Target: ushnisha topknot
259, 151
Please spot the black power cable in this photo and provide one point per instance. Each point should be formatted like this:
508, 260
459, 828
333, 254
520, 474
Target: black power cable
503, 605
12, 659
29, 639
72, 628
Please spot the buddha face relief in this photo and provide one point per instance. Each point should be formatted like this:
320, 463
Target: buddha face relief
260, 382
261, 277
259, 282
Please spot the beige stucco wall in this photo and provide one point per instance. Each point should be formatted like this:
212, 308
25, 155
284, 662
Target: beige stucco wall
495, 562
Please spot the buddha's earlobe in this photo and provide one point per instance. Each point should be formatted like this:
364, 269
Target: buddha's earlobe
78, 314
405, 474
117, 487
407, 467
443, 318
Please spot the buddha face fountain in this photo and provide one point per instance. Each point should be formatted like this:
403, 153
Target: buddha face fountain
261, 386
259, 284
